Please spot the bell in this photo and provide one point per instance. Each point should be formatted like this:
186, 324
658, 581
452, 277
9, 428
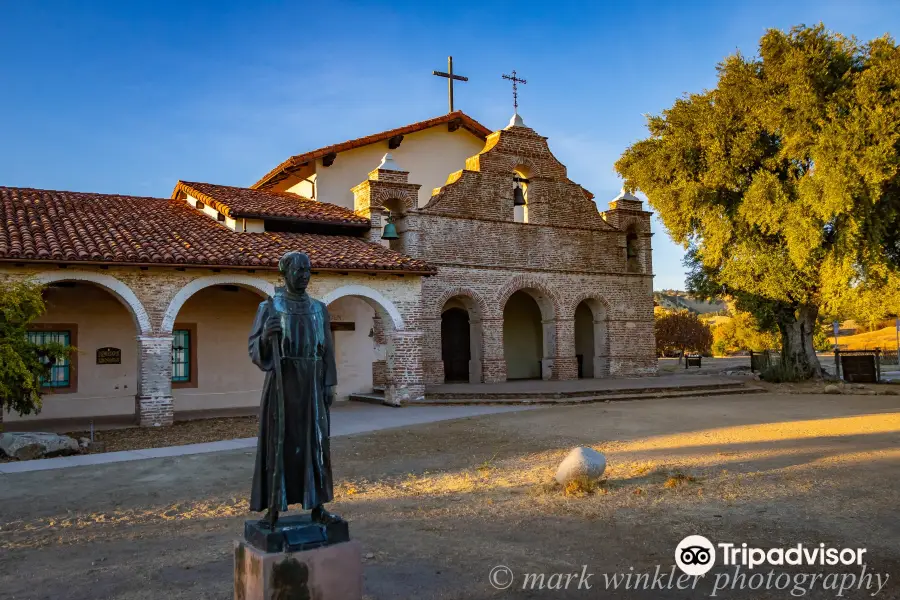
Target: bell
518, 196
390, 231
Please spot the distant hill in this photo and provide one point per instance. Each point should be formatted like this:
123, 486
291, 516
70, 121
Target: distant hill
677, 300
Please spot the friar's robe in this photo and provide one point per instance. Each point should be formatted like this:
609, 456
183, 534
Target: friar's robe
308, 368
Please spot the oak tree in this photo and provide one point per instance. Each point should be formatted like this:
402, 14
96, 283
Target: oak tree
783, 181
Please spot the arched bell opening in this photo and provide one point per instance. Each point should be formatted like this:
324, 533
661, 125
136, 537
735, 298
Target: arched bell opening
394, 213
520, 182
632, 247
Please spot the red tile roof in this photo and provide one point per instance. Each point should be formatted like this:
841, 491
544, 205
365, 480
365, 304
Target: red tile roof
238, 202
59, 227
462, 118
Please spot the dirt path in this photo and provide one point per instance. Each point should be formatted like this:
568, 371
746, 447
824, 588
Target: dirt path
439, 505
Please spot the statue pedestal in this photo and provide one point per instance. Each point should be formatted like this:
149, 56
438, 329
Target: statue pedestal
298, 560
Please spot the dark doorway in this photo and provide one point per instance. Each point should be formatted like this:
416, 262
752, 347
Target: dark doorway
455, 344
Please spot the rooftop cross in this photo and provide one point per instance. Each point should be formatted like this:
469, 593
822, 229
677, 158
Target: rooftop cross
450, 77
515, 80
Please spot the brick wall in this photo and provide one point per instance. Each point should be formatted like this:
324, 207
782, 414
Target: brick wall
567, 253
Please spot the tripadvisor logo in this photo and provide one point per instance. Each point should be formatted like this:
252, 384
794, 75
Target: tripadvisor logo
695, 555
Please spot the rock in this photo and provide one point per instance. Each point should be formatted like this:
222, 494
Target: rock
28, 446
581, 462
832, 389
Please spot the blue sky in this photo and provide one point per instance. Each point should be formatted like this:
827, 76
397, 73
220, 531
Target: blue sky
128, 97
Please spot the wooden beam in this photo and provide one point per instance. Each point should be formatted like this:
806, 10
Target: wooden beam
395, 142
454, 125
328, 159
343, 326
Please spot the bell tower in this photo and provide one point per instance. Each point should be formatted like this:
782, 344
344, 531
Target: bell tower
385, 198
626, 213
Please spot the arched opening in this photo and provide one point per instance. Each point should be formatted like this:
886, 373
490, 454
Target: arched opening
584, 340
394, 214
520, 194
632, 256
592, 338
99, 381
357, 346
523, 337
211, 373
363, 323
456, 350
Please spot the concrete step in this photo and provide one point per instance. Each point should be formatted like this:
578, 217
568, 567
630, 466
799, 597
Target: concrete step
557, 395
606, 397
584, 397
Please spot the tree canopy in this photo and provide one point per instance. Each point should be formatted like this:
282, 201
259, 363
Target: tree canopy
783, 182
23, 363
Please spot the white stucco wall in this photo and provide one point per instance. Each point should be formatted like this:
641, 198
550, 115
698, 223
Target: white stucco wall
226, 378
355, 350
429, 156
103, 390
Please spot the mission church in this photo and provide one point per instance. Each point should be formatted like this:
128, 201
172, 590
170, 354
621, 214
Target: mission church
445, 252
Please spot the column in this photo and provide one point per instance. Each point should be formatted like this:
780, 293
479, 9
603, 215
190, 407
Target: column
379, 365
154, 405
561, 350
432, 360
405, 380
494, 361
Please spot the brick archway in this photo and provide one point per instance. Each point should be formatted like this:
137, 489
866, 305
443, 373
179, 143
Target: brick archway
116, 287
245, 281
372, 296
548, 300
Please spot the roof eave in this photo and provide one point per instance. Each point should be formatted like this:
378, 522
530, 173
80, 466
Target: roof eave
101, 263
468, 123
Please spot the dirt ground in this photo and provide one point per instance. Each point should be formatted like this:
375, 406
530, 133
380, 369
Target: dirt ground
437, 506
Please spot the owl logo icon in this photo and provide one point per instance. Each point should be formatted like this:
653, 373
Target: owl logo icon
695, 555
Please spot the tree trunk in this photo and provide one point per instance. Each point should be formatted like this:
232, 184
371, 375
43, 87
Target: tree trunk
797, 328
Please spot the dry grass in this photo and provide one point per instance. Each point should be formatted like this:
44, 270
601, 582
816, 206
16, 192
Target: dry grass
179, 434
881, 338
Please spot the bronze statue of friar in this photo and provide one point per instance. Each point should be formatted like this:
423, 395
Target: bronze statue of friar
291, 341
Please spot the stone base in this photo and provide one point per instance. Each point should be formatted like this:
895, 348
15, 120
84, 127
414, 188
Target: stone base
293, 533
327, 573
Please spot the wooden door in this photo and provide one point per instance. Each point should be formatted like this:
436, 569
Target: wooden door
455, 349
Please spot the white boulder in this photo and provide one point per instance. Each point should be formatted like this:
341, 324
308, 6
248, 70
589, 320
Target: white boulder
581, 462
30, 445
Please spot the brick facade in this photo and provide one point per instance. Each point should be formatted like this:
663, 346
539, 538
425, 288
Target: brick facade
567, 253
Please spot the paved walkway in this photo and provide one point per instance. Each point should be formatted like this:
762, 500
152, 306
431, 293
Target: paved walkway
347, 418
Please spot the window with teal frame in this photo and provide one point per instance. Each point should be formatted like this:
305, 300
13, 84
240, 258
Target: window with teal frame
60, 372
181, 355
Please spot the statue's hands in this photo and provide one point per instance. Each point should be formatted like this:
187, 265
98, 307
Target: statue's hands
272, 327
329, 395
